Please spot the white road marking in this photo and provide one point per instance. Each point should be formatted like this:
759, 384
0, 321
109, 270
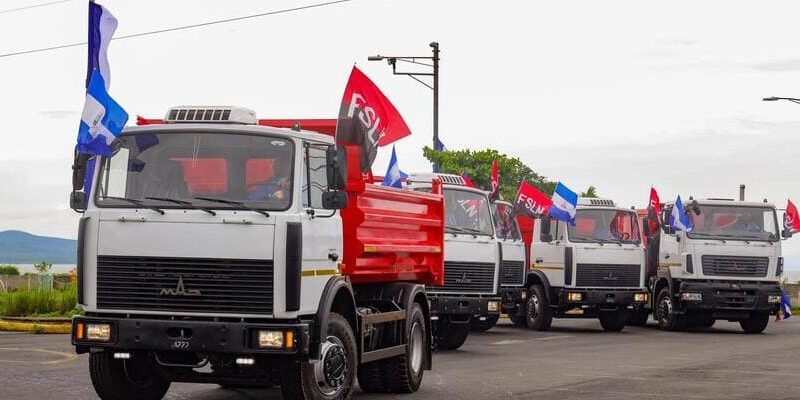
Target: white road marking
517, 341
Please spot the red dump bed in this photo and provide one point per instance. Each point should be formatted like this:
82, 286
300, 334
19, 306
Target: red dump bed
392, 234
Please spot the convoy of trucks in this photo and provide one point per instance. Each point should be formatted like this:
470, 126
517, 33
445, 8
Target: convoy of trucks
728, 267
215, 247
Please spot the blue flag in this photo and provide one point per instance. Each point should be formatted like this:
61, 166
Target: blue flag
679, 220
394, 176
102, 119
565, 203
101, 28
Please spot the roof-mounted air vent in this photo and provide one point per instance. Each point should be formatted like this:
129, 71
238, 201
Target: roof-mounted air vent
212, 114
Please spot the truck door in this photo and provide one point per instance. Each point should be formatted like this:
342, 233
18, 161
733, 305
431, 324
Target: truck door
514, 260
322, 229
548, 256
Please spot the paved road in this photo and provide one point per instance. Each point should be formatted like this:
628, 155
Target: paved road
575, 360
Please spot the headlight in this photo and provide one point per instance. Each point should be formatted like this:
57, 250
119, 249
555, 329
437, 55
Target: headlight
574, 296
640, 297
692, 296
270, 339
493, 306
98, 332
774, 298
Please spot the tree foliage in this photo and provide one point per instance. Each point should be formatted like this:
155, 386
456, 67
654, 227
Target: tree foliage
590, 192
9, 270
478, 166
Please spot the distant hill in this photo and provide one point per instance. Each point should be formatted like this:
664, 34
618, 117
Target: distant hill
23, 248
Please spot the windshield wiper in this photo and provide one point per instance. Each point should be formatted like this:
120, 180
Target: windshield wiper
136, 202
238, 204
454, 229
183, 203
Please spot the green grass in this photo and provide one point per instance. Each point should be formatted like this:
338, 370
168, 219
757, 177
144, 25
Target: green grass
796, 309
52, 303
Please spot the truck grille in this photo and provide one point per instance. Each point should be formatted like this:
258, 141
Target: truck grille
512, 273
735, 266
198, 285
608, 275
467, 277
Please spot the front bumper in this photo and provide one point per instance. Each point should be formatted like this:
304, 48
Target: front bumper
603, 299
442, 305
189, 336
728, 298
512, 298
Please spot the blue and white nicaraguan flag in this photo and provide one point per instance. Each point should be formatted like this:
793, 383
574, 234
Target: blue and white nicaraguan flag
786, 307
564, 203
679, 219
102, 118
394, 176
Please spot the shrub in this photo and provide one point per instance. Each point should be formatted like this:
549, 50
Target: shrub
9, 270
37, 329
38, 302
43, 267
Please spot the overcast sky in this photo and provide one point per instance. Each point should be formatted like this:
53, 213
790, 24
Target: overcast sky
617, 94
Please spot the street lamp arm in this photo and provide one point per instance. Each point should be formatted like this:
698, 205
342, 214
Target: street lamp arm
419, 80
773, 98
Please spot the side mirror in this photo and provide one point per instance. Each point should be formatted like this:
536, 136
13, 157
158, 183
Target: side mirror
79, 170
335, 200
77, 201
786, 233
336, 163
694, 207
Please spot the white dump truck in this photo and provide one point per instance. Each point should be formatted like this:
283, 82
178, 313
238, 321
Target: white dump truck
727, 267
592, 269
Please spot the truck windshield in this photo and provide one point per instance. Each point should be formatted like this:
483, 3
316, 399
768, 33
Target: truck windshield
599, 225
198, 169
734, 222
505, 225
467, 212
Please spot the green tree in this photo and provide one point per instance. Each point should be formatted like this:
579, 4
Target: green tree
9, 270
478, 166
43, 267
590, 192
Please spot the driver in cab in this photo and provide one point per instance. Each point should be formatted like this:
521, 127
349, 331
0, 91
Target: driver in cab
277, 187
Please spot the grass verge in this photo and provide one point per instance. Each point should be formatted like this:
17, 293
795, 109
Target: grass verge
54, 303
34, 328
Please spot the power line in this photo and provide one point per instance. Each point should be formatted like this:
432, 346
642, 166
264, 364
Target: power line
179, 28
33, 6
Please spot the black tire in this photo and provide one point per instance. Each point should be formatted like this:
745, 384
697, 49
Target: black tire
518, 320
538, 315
638, 318
482, 326
701, 320
664, 315
370, 377
403, 374
614, 321
338, 358
756, 323
452, 337
131, 379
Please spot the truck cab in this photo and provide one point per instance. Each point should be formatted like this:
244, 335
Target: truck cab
727, 267
592, 269
214, 249
471, 260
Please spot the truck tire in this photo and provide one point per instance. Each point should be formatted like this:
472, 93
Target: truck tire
453, 336
370, 377
403, 374
518, 320
538, 315
333, 377
130, 379
756, 323
638, 318
482, 326
613, 321
666, 318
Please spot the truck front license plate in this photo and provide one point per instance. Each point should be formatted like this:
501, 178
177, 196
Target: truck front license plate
180, 345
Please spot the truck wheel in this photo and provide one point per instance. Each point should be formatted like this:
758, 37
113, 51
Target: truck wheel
404, 373
538, 314
756, 323
518, 321
333, 376
638, 318
130, 379
370, 378
482, 326
665, 316
613, 321
453, 336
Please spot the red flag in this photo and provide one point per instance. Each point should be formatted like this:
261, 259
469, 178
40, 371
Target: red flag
654, 211
791, 220
467, 181
655, 202
367, 118
495, 193
531, 201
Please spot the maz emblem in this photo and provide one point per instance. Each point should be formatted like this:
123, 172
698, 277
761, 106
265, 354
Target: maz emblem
464, 279
610, 277
180, 290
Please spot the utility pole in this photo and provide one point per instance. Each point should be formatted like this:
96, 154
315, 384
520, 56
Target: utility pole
434, 65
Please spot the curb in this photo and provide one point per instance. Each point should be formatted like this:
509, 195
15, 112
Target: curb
46, 320
30, 327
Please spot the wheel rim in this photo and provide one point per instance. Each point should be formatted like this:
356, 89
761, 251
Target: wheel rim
415, 344
664, 308
331, 371
533, 307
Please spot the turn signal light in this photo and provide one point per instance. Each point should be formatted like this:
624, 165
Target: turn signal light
80, 331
